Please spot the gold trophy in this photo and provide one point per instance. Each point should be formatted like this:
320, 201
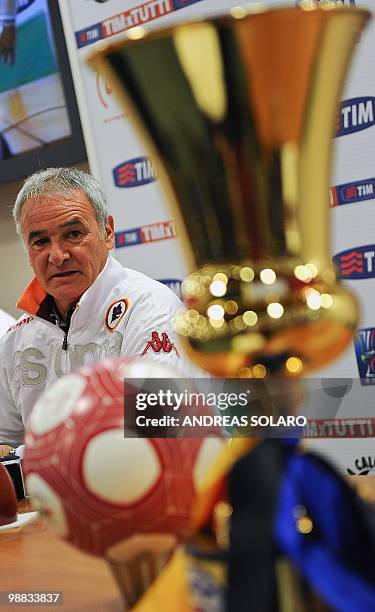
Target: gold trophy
239, 114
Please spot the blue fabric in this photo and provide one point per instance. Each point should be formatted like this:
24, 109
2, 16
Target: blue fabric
336, 558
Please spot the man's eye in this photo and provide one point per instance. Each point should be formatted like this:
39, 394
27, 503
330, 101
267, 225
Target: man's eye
40, 242
75, 234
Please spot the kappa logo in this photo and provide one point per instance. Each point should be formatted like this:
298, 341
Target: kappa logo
356, 263
134, 173
354, 115
348, 193
158, 344
115, 313
364, 345
20, 323
363, 466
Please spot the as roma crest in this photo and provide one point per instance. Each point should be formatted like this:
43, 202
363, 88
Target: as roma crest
115, 313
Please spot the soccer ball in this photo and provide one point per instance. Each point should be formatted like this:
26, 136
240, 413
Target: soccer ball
95, 487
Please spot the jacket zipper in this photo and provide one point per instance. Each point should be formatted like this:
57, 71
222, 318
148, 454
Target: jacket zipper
68, 321
65, 342
56, 328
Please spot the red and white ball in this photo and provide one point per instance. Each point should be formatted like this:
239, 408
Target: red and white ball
96, 487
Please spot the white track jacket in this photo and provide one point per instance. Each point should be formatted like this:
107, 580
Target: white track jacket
123, 313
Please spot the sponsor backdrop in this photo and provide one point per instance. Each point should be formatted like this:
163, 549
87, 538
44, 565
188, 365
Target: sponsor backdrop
145, 234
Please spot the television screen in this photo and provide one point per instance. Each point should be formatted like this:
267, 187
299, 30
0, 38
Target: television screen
39, 121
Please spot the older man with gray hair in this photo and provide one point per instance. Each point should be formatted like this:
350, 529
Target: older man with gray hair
82, 305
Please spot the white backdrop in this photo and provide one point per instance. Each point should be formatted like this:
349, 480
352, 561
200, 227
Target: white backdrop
146, 239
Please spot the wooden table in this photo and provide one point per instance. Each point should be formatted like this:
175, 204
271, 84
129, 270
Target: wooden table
33, 559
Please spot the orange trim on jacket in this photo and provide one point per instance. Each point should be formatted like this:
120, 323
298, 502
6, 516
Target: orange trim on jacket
32, 297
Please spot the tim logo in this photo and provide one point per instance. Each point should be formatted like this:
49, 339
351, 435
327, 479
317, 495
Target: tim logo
363, 466
356, 263
158, 231
349, 193
364, 344
134, 173
354, 115
164, 230
89, 35
173, 283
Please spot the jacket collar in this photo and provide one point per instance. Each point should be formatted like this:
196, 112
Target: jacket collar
32, 298
35, 301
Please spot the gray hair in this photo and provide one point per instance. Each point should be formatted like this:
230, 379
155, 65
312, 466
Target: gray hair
54, 182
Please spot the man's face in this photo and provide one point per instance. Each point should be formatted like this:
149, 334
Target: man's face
65, 248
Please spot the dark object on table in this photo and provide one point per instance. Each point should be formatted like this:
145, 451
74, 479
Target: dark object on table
8, 502
13, 465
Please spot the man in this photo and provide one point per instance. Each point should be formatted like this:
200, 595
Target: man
8, 12
82, 305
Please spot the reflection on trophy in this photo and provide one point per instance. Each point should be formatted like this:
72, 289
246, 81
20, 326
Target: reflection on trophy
241, 113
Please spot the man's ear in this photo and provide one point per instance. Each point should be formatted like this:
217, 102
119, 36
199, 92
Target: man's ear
110, 233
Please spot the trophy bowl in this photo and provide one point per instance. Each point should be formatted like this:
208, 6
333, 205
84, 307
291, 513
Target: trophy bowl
238, 113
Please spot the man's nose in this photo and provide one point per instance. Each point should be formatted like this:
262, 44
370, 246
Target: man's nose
58, 254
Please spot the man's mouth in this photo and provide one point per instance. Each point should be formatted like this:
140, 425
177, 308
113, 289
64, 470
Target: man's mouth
64, 274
